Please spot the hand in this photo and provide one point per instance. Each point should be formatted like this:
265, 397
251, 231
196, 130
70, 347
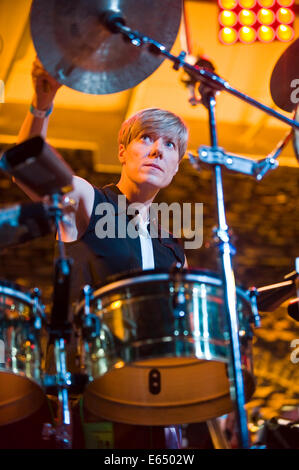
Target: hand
45, 86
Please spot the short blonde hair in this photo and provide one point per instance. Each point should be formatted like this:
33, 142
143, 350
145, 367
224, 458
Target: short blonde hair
155, 121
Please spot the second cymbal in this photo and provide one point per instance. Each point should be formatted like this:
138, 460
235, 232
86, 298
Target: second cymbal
286, 70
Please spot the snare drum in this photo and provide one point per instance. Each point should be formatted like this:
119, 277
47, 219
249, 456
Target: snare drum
161, 354
21, 318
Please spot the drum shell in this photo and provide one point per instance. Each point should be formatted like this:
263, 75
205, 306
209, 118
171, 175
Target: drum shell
172, 327
21, 371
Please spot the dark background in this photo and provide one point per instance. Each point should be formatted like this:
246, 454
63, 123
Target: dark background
264, 219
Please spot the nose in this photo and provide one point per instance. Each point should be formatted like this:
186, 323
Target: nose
157, 148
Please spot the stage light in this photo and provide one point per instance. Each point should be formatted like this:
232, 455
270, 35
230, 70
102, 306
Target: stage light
247, 35
247, 3
228, 35
285, 3
247, 17
285, 16
266, 3
228, 4
285, 33
228, 18
266, 33
266, 16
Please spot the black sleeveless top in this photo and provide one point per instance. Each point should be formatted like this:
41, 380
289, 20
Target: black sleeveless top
95, 259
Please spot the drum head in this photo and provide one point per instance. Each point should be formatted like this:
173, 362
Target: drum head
20, 397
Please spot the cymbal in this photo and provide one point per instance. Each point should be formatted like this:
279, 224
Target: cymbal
82, 53
285, 71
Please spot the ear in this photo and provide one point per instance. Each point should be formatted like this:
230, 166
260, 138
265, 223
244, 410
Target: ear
121, 153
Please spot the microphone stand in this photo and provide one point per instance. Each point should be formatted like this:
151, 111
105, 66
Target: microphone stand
211, 83
60, 331
114, 21
24, 161
226, 251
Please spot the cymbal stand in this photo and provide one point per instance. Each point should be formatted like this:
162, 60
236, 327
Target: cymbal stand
226, 251
114, 21
211, 83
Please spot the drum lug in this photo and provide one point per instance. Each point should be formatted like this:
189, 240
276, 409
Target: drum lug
253, 293
154, 381
36, 296
88, 296
179, 303
92, 326
48, 431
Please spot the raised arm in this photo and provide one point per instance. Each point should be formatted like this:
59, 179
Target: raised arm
36, 123
45, 89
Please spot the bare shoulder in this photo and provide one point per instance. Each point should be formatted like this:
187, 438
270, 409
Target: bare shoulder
78, 216
84, 191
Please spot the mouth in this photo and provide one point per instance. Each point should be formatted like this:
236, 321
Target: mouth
153, 165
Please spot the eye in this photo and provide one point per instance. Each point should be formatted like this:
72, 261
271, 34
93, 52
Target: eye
170, 144
146, 138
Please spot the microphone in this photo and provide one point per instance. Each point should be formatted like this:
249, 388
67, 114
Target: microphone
38, 168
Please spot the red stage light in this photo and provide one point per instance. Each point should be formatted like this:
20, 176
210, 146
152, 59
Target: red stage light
247, 3
285, 33
247, 35
247, 18
285, 16
266, 3
228, 18
285, 3
266, 33
266, 16
228, 35
227, 4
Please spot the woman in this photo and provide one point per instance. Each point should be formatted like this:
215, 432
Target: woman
151, 146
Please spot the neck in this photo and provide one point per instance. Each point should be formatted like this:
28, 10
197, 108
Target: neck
135, 193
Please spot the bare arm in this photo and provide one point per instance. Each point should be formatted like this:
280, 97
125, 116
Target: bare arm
45, 89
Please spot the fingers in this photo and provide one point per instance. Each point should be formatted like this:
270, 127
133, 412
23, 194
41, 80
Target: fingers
39, 73
44, 85
38, 70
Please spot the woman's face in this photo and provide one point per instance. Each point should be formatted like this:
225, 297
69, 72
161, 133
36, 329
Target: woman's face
150, 159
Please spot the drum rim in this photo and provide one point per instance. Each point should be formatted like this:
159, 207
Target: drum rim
204, 276
9, 291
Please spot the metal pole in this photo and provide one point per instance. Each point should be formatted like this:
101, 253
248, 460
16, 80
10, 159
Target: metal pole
229, 290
